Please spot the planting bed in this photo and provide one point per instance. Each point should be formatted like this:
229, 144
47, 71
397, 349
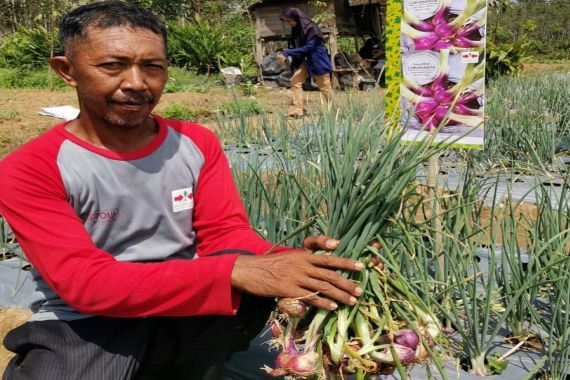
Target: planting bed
461, 267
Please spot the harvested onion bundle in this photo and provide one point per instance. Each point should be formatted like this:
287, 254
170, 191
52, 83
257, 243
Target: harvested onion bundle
362, 191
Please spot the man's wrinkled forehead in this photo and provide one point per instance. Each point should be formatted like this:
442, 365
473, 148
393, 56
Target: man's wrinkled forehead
84, 41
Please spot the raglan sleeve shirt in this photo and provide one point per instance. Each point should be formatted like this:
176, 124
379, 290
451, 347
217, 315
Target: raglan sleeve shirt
36, 204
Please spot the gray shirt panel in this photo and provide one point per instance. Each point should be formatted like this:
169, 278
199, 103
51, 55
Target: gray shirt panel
128, 207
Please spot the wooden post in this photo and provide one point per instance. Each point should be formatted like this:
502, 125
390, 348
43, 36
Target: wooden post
433, 194
333, 49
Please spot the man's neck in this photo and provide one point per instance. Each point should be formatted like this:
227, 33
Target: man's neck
114, 138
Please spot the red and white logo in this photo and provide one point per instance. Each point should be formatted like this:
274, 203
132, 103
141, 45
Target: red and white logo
182, 199
470, 56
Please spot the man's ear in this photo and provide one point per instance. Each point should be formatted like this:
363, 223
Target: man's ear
63, 68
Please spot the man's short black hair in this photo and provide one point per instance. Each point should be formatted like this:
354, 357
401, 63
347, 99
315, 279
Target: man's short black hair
106, 14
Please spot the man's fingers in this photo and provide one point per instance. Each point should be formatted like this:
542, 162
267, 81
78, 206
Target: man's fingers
321, 242
333, 279
317, 301
335, 262
331, 291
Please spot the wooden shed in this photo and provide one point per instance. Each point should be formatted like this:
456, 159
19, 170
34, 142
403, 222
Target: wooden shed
347, 18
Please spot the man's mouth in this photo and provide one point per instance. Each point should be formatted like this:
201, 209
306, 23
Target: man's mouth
133, 102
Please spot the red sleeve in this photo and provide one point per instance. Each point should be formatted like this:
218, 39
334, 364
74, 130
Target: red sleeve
220, 220
35, 203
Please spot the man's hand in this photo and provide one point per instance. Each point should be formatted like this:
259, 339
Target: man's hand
281, 58
299, 274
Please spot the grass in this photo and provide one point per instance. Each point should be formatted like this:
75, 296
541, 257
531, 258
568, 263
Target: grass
39, 79
181, 80
8, 114
241, 107
182, 112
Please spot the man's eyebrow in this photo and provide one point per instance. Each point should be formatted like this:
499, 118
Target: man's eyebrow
128, 58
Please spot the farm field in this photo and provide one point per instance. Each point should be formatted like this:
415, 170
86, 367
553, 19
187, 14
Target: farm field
19, 119
494, 207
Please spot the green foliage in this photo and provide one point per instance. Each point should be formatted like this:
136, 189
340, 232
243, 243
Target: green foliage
182, 112
181, 80
496, 365
204, 46
198, 45
8, 114
39, 78
241, 107
248, 88
545, 24
528, 119
347, 45
27, 49
506, 59
169, 9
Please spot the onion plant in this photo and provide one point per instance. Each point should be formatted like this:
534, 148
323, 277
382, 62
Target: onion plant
477, 301
528, 119
363, 175
551, 238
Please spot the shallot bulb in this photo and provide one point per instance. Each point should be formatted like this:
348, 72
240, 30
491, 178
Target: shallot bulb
405, 355
407, 338
293, 362
291, 307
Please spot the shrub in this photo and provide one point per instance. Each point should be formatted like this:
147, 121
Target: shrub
27, 49
204, 46
198, 45
506, 59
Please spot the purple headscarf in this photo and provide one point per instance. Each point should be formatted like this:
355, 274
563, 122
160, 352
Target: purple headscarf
305, 28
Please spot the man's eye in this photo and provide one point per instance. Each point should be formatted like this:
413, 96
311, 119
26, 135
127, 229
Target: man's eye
154, 66
111, 65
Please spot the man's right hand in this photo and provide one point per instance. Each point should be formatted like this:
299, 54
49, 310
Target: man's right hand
298, 274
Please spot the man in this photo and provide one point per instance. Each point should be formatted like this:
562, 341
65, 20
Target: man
145, 264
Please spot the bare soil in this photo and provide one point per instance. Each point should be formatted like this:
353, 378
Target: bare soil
10, 318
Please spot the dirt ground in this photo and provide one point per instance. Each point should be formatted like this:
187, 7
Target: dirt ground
9, 319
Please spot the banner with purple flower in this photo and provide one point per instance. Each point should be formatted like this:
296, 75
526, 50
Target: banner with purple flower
442, 87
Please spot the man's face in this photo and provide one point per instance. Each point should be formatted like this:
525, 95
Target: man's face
119, 74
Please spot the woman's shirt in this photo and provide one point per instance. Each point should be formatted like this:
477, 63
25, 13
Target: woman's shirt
314, 54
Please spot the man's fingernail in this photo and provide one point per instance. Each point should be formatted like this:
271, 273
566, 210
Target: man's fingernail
358, 265
331, 243
358, 291
352, 300
334, 306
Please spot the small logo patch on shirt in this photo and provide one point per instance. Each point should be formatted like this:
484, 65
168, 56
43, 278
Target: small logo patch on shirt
182, 199
103, 216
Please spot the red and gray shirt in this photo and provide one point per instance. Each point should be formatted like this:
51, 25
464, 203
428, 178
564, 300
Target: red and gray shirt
128, 235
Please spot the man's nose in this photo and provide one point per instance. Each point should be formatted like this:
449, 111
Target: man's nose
134, 79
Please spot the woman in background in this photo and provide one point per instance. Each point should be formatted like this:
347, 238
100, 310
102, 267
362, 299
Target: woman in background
309, 57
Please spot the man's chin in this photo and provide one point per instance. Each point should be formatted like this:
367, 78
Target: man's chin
126, 123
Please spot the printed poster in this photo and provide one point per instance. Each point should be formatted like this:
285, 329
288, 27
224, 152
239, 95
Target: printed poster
442, 63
